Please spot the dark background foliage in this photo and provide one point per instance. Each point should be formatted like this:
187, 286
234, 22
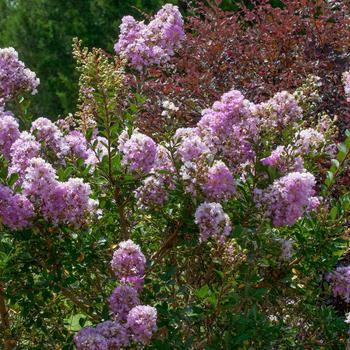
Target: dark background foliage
42, 32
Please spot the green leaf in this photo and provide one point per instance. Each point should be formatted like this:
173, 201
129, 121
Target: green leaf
329, 178
342, 152
203, 292
333, 213
335, 163
13, 178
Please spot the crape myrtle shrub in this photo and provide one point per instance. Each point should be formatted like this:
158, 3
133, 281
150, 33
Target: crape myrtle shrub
259, 49
223, 235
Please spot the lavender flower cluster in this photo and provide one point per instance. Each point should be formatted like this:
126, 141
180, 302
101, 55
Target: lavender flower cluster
154, 189
212, 222
14, 76
288, 198
139, 151
279, 112
143, 45
59, 202
9, 132
132, 322
340, 282
16, 210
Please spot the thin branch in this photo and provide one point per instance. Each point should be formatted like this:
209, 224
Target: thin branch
9, 344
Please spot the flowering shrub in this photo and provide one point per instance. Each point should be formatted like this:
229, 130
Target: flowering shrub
229, 231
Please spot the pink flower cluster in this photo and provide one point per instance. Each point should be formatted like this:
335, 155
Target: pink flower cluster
219, 183
22, 151
285, 159
288, 198
132, 322
190, 145
143, 45
308, 140
14, 76
290, 158
128, 262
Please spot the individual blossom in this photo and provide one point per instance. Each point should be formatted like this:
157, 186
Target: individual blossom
47, 132
16, 211
288, 198
22, 151
90, 339
122, 300
14, 76
142, 323
285, 159
219, 183
347, 320
128, 261
212, 222
169, 109
340, 282
274, 158
314, 203
115, 333
139, 152
9, 132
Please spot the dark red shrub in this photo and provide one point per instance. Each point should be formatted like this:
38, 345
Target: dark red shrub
259, 51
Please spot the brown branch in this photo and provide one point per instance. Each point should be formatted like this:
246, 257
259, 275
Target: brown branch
166, 246
124, 225
70, 295
9, 344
